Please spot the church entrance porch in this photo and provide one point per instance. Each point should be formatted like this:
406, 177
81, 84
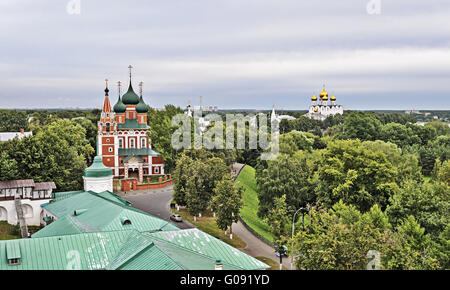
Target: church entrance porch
134, 168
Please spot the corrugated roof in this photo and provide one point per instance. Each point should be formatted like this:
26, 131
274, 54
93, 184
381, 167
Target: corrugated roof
132, 124
17, 183
44, 185
137, 152
84, 251
203, 246
103, 214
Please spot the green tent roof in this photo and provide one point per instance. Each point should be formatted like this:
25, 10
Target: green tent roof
98, 169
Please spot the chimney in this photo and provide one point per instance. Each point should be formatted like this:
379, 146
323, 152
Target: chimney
218, 265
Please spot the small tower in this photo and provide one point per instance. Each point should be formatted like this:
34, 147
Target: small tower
98, 177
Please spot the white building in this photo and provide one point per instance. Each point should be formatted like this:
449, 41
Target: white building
5, 136
321, 109
274, 116
29, 195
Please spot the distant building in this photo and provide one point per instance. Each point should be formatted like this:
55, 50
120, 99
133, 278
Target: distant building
321, 109
6, 136
274, 116
27, 194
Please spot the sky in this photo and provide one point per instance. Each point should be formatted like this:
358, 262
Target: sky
371, 54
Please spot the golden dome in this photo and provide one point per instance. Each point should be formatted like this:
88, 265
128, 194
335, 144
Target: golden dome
315, 109
324, 93
314, 98
333, 98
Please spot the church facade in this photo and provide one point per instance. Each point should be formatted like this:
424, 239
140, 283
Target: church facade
123, 137
321, 108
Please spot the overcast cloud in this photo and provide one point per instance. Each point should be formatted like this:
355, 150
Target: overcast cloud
234, 53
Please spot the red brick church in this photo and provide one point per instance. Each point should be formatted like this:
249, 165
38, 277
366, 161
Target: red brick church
123, 141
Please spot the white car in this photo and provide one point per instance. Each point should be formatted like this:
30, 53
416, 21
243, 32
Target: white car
176, 217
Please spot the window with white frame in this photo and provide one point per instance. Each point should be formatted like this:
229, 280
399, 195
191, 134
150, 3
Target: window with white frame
156, 170
132, 143
143, 142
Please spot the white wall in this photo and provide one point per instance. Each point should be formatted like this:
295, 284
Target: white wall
98, 184
31, 208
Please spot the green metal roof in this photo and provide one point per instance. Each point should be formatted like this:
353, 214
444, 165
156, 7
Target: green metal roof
141, 107
132, 124
137, 152
119, 107
102, 214
124, 250
98, 169
89, 251
130, 97
13, 250
131, 156
203, 250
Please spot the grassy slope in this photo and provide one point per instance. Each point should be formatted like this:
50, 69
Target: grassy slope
246, 179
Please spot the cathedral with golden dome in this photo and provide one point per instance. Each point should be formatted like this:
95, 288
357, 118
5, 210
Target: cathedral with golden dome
321, 108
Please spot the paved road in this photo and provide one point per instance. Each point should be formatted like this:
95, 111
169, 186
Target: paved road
257, 248
155, 202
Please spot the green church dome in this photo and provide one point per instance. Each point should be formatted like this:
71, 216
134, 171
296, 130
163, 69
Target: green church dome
98, 169
130, 97
141, 107
119, 107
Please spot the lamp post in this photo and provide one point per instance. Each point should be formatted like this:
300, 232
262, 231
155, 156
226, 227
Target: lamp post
292, 238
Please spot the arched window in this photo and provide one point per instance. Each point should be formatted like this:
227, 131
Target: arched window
143, 143
107, 127
132, 143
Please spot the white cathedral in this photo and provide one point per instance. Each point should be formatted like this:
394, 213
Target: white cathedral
321, 109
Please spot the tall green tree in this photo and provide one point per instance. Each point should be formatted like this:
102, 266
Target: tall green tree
227, 203
359, 176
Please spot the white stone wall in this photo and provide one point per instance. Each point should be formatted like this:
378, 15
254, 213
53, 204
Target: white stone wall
98, 184
31, 209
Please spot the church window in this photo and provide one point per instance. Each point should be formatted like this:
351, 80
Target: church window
107, 127
143, 143
131, 143
120, 143
110, 150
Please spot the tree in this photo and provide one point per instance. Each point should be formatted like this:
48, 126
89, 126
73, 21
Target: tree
8, 167
161, 131
227, 203
356, 174
443, 174
292, 176
428, 203
56, 153
363, 126
13, 121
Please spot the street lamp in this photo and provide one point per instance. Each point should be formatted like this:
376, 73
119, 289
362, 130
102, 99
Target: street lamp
293, 228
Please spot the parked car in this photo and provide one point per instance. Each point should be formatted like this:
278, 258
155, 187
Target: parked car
176, 217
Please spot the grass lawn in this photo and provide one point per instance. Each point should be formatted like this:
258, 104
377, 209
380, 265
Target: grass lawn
247, 180
207, 224
9, 232
273, 265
